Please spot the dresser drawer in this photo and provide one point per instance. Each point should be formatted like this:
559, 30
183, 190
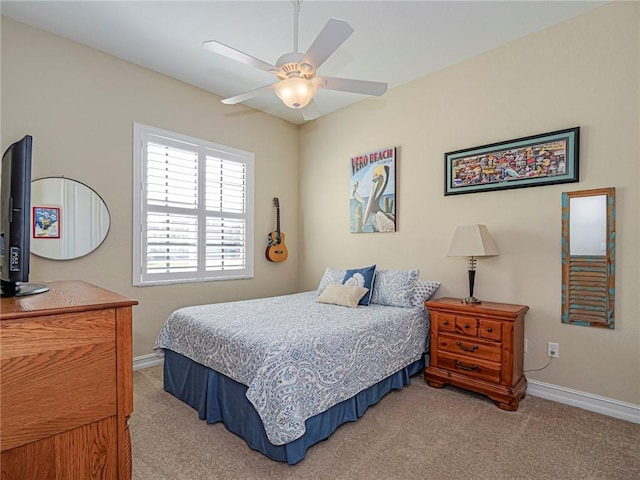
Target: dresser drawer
490, 329
467, 326
446, 323
471, 367
470, 347
58, 373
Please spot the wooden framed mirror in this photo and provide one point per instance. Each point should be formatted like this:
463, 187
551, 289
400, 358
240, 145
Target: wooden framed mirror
588, 257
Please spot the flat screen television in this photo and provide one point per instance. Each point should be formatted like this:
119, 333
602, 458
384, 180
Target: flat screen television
15, 219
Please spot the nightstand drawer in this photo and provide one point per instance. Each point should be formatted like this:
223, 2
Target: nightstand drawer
471, 348
446, 323
471, 367
467, 326
490, 329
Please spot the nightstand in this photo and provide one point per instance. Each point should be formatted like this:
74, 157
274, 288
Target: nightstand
479, 347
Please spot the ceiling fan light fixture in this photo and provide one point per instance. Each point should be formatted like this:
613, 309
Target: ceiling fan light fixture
296, 92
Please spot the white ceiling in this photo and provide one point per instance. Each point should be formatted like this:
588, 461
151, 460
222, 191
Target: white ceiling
394, 41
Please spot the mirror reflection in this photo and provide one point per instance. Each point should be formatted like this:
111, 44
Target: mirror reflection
69, 219
588, 225
588, 254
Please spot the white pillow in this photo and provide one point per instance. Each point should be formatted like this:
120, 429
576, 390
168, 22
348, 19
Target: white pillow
331, 276
394, 287
344, 295
423, 291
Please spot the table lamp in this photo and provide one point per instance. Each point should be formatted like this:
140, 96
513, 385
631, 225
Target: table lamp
472, 241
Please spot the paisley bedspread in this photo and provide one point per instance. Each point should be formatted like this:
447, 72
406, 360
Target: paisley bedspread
298, 357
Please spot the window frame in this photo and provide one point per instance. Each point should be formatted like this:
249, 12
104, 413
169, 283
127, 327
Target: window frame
141, 278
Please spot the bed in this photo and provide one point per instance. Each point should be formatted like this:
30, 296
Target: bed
285, 372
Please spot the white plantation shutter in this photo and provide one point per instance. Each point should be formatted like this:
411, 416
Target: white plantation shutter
193, 216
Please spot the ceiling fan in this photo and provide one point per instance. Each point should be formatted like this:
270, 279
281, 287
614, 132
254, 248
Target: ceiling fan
297, 78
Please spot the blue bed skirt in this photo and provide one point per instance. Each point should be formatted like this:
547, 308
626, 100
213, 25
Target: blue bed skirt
217, 397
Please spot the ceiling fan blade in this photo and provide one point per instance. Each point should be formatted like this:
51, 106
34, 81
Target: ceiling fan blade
248, 95
311, 112
334, 33
355, 86
222, 49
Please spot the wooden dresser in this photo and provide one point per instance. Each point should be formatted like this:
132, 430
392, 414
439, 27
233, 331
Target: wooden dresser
479, 347
67, 384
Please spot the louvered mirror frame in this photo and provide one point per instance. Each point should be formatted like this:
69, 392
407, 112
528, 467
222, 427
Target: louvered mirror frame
588, 281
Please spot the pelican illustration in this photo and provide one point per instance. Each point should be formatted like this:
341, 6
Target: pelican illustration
380, 220
356, 196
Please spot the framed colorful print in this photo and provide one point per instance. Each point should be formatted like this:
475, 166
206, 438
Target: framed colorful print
372, 188
46, 222
544, 159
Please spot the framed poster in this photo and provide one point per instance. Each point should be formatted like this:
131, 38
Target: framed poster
46, 222
372, 201
544, 159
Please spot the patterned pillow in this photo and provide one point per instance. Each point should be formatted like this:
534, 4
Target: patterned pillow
394, 287
331, 276
423, 291
361, 277
344, 295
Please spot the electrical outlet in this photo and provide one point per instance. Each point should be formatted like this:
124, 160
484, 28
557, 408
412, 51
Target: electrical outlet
526, 344
553, 350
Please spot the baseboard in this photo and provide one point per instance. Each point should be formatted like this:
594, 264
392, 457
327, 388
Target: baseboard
575, 398
584, 400
147, 361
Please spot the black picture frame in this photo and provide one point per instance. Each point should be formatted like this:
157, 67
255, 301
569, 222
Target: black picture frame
543, 159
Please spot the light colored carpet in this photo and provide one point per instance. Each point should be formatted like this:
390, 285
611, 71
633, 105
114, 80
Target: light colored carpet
415, 433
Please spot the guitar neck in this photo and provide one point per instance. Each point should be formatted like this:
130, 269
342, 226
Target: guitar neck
278, 221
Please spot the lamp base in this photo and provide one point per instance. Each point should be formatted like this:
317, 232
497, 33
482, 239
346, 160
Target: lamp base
472, 300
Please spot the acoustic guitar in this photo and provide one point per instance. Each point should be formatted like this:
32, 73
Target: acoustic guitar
276, 250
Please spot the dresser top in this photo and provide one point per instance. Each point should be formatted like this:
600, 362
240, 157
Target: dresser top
455, 304
65, 296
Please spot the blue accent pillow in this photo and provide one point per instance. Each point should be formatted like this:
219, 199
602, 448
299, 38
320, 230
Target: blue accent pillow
361, 277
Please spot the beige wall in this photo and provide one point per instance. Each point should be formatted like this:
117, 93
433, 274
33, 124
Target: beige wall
584, 72
80, 104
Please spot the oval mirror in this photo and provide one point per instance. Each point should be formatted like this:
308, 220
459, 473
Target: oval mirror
69, 219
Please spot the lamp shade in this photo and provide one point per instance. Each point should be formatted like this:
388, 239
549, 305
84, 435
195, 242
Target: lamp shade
472, 241
296, 92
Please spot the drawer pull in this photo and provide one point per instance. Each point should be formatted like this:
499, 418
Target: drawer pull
462, 367
466, 325
446, 322
467, 349
489, 329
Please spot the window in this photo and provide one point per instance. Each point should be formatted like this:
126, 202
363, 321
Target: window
193, 209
